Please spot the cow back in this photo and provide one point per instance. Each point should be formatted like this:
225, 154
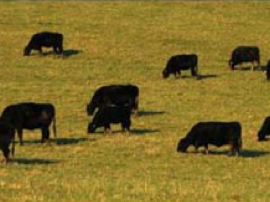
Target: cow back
29, 115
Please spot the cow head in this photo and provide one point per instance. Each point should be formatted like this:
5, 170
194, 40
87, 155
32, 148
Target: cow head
231, 65
91, 128
26, 51
261, 136
182, 145
165, 74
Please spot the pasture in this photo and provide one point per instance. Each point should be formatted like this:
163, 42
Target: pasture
130, 42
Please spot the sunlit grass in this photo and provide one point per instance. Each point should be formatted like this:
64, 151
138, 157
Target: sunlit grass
130, 42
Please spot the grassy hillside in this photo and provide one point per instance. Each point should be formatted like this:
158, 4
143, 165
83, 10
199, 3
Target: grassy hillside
130, 42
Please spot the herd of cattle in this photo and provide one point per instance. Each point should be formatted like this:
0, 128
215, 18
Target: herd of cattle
116, 104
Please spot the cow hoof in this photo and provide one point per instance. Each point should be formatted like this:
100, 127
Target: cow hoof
127, 132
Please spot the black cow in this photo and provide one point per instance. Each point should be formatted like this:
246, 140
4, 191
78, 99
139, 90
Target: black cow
215, 133
181, 62
114, 95
46, 39
111, 114
245, 54
268, 70
30, 116
264, 130
7, 137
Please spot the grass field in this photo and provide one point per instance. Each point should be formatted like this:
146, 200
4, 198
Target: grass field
130, 42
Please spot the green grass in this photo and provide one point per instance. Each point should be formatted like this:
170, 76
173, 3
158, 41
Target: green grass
130, 42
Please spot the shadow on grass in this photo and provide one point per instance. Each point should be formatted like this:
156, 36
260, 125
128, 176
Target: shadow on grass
198, 77
36, 161
66, 53
150, 113
206, 76
59, 141
143, 131
252, 153
249, 68
132, 132
246, 153
36, 141
68, 141
71, 52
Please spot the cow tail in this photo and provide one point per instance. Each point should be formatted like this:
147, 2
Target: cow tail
54, 127
13, 146
240, 143
136, 104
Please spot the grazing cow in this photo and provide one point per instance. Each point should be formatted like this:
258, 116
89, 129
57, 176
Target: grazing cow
181, 62
264, 130
245, 54
111, 114
268, 70
46, 39
7, 137
30, 116
215, 133
114, 95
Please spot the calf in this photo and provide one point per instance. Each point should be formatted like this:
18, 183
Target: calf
215, 133
264, 130
46, 39
119, 95
111, 114
30, 116
181, 62
7, 137
245, 54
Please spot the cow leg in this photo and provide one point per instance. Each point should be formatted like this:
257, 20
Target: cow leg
136, 106
60, 49
194, 71
6, 152
234, 149
196, 146
107, 127
177, 74
40, 50
231, 149
253, 65
206, 149
55, 49
126, 126
45, 134
20, 134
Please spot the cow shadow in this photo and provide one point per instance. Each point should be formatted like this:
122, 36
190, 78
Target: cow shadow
70, 52
131, 132
58, 141
68, 141
246, 153
249, 68
206, 76
35, 161
150, 113
66, 53
36, 141
198, 77
143, 131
